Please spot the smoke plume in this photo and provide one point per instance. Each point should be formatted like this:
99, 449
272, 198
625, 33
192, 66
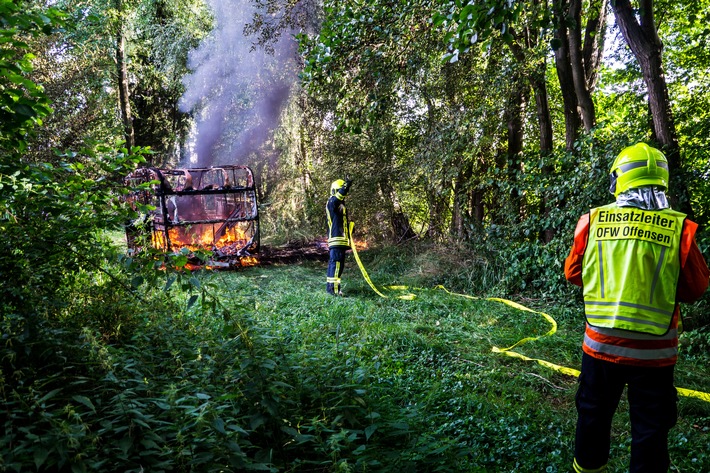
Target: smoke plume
236, 90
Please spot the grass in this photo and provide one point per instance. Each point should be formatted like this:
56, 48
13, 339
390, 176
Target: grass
430, 361
260, 369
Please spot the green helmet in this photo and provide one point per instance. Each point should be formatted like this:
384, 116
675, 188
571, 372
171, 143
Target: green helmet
336, 186
639, 165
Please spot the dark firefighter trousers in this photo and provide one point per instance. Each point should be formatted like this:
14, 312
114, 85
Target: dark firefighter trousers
335, 269
652, 409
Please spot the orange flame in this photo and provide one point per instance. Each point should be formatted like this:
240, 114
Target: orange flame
201, 237
360, 245
248, 261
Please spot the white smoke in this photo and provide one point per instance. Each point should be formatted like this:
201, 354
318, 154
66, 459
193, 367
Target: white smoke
236, 90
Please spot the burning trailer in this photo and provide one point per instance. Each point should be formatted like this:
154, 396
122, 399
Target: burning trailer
212, 209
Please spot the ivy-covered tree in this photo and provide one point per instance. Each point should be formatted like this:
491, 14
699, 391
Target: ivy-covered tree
640, 32
686, 54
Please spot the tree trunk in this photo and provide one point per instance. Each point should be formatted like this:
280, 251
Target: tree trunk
542, 105
546, 144
646, 46
538, 84
302, 160
461, 214
516, 104
594, 35
399, 222
577, 63
579, 77
479, 208
457, 211
123, 86
401, 228
564, 75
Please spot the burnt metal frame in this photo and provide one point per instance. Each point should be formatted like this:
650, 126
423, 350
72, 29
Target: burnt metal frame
164, 191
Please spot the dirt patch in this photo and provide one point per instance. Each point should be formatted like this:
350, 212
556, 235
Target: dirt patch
293, 253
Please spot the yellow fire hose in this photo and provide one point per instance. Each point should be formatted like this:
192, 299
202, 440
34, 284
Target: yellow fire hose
508, 351
562, 369
367, 277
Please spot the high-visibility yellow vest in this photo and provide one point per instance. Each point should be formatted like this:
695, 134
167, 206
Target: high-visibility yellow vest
631, 267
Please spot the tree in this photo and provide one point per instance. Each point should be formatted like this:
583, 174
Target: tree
686, 56
643, 40
583, 58
23, 103
530, 51
577, 61
364, 59
49, 215
165, 31
122, 80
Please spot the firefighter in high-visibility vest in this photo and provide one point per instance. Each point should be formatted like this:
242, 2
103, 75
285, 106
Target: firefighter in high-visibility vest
338, 234
635, 259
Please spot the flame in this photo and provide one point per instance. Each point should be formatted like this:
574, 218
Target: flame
360, 245
248, 261
201, 237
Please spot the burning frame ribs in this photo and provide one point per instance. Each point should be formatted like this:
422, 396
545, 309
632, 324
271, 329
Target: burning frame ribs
213, 209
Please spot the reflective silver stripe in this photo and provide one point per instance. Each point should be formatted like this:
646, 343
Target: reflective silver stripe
612, 332
346, 225
338, 271
596, 319
657, 273
635, 353
331, 280
338, 240
601, 267
639, 164
336, 284
628, 304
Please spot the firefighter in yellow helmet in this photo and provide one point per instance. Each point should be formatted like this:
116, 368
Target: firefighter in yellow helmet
635, 260
338, 234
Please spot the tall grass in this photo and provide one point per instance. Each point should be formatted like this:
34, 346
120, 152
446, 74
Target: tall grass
275, 375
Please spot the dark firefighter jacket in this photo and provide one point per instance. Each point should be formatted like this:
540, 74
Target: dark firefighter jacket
338, 227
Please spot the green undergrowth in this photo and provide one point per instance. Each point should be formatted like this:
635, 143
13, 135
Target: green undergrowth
259, 369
